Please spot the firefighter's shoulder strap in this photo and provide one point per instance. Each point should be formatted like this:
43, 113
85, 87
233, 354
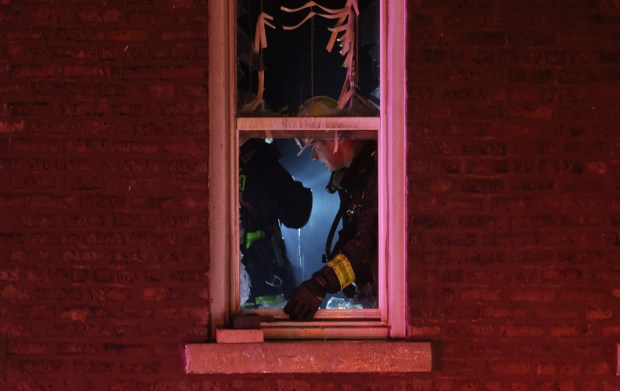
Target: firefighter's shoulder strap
330, 237
363, 164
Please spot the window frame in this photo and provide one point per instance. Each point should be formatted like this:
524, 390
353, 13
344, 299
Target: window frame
223, 180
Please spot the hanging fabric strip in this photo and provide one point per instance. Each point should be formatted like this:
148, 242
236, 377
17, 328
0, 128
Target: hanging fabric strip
308, 5
350, 3
310, 15
336, 140
345, 96
344, 33
260, 37
260, 43
334, 36
251, 106
353, 3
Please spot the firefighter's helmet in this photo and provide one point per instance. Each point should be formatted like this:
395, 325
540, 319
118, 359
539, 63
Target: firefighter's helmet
318, 106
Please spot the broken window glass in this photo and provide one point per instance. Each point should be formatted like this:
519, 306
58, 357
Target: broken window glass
279, 252
290, 51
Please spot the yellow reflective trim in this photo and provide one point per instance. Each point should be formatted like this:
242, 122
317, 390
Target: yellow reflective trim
242, 179
250, 237
342, 267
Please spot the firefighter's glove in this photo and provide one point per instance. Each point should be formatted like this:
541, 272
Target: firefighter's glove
307, 297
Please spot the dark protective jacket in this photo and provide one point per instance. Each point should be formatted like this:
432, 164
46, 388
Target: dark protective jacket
269, 197
357, 240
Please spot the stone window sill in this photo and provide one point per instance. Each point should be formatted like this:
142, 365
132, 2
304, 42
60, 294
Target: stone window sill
344, 356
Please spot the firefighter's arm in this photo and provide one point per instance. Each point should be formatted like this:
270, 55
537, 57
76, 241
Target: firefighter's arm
307, 297
294, 202
361, 250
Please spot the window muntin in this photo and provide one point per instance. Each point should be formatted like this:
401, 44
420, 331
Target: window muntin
224, 174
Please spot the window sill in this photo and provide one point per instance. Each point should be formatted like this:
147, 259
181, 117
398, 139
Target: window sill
343, 356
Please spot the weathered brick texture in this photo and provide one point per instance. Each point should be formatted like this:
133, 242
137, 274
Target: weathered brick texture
513, 141
514, 206
103, 192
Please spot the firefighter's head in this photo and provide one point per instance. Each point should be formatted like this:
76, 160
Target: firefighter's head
318, 106
334, 152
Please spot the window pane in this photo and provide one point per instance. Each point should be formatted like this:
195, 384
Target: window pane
280, 67
283, 234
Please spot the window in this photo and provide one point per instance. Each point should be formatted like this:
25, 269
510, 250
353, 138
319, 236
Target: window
228, 123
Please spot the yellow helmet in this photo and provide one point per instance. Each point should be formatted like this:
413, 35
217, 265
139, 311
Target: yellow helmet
318, 106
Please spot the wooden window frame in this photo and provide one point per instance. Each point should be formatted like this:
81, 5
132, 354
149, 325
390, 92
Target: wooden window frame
223, 180
354, 348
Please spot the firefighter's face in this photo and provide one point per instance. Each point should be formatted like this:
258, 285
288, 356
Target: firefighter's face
323, 151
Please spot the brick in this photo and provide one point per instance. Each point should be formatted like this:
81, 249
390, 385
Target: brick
51, 16
51, 294
28, 34
187, 35
154, 274
11, 292
27, 348
10, 275
75, 53
130, 350
150, 17
34, 367
86, 108
27, 53
17, 109
159, 73
78, 348
161, 294
32, 182
480, 294
538, 295
184, 109
80, 35
11, 126
140, 368
600, 314
84, 71
487, 186
94, 367
186, 52
108, 294
165, 91
134, 147
98, 16
197, 314
509, 368
564, 331
598, 368
94, 202
530, 76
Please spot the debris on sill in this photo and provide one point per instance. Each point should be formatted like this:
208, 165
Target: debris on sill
244, 328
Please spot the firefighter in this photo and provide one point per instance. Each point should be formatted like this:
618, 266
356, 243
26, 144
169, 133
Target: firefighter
269, 197
352, 260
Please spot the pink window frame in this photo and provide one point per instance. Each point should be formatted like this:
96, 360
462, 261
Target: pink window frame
223, 170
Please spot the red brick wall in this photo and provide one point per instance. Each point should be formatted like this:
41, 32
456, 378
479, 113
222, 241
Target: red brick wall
514, 181
514, 205
103, 191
